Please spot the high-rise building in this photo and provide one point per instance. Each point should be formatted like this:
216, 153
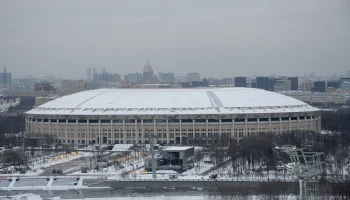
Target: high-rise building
5, 78
282, 85
332, 84
272, 82
203, 83
147, 72
319, 86
227, 81
89, 76
240, 81
104, 76
166, 77
195, 76
262, 82
294, 83
72, 86
344, 83
306, 85
133, 77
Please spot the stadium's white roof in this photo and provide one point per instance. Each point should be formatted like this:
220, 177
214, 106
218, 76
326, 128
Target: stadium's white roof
172, 101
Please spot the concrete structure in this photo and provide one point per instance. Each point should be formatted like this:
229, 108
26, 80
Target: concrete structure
176, 116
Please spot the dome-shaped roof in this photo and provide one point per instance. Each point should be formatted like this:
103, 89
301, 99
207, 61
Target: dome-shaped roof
172, 101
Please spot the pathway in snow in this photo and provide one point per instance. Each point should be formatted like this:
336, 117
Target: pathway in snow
80, 182
12, 183
50, 182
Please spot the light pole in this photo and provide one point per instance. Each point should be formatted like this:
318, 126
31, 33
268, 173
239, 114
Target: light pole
151, 138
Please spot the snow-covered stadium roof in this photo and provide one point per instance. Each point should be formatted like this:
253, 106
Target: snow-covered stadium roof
172, 101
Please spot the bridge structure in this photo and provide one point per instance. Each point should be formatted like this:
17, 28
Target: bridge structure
308, 167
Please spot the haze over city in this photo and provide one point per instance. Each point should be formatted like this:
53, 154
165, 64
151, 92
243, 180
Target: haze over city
215, 38
155, 99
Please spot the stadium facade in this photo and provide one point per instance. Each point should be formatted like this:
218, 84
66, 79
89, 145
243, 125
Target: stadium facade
174, 116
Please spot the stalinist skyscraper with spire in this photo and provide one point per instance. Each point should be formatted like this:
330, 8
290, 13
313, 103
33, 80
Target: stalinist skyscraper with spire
5, 78
147, 73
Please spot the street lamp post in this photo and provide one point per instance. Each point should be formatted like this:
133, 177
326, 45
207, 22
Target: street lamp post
151, 139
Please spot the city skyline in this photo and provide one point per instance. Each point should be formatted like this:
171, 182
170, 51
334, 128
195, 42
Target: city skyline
215, 38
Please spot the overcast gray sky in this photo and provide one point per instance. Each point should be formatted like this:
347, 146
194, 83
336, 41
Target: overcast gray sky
216, 38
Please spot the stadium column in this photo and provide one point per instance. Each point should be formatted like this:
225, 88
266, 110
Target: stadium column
305, 127
87, 133
66, 133
311, 124
42, 126
220, 132
155, 131
136, 132
76, 133
26, 123
112, 133
280, 125
124, 132
31, 126
258, 121
49, 127
143, 132
206, 128
246, 126
233, 129
99, 132
290, 124
270, 124
298, 122
167, 131
57, 131
319, 123
194, 130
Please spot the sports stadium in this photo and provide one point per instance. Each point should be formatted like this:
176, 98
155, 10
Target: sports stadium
173, 116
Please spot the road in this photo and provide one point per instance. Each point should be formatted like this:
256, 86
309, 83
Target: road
72, 166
